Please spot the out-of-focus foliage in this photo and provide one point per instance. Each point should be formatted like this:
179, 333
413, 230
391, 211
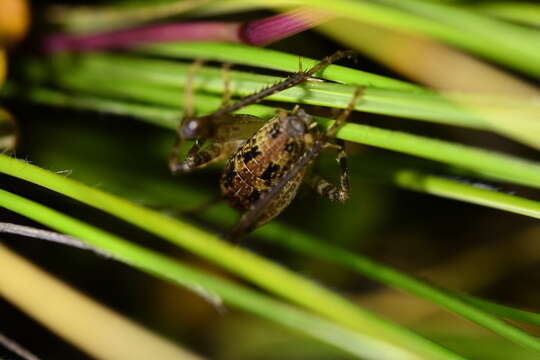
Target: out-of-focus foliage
78, 112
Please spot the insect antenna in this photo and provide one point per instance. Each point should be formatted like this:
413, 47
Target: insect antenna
292, 80
188, 111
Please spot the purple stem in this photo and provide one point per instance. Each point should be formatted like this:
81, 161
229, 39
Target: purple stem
187, 31
258, 32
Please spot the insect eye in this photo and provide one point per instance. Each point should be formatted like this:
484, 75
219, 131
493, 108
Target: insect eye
189, 129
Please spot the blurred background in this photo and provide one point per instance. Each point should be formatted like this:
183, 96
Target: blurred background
487, 252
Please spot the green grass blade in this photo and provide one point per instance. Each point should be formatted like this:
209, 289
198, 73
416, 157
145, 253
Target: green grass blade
522, 12
272, 59
457, 189
94, 73
514, 117
503, 42
475, 194
508, 312
173, 194
511, 116
127, 76
478, 162
305, 244
481, 162
209, 286
137, 78
246, 264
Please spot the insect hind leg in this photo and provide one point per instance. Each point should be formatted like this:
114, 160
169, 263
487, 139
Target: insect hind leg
322, 186
226, 85
344, 114
326, 189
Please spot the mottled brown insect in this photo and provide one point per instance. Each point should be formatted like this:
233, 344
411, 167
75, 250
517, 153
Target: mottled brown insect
267, 161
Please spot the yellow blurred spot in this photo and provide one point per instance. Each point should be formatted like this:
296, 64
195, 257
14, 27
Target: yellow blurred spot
14, 20
8, 132
92, 327
3, 66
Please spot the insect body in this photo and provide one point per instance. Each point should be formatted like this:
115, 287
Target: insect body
264, 159
267, 161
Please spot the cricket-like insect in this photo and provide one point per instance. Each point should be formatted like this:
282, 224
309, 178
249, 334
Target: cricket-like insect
267, 160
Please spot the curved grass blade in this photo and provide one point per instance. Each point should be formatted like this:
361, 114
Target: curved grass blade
479, 162
511, 116
305, 244
505, 107
457, 189
204, 284
96, 71
97, 330
173, 194
248, 265
479, 194
500, 41
508, 312
521, 12
272, 59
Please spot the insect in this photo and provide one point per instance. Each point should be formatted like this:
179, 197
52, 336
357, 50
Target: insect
267, 160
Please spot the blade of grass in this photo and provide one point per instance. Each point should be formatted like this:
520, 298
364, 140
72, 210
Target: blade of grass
522, 12
173, 194
287, 236
272, 59
266, 274
508, 312
77, 318
472, 193
456, 74
503, 42
511, 116
238, 296
94, 74
16, 348
408, 178
305, 244
479, 162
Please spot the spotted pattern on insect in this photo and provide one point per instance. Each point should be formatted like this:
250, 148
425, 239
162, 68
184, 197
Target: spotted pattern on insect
263, 160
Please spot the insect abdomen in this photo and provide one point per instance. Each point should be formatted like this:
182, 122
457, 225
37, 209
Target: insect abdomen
258, 165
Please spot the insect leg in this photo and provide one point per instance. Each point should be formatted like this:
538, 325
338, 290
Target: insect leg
338, 55
226, 85
292, 80
344, 114
199, 159
323, 187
